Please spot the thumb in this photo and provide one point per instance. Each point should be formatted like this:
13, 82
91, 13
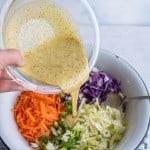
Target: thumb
11, 57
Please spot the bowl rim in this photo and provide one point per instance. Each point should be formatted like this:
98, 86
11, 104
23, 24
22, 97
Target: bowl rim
118, 57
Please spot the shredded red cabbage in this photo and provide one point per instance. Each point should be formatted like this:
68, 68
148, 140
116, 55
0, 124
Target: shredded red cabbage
98, 86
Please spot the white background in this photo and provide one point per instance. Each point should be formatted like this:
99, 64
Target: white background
125, 31
122, 11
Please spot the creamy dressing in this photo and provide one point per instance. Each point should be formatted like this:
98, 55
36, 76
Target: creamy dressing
51, 47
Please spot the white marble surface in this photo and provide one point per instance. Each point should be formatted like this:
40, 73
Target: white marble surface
132, 43
122, 11
1, 2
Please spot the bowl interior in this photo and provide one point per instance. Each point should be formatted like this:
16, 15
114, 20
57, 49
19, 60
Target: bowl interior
137, 114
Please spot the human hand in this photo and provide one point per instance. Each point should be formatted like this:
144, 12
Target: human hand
9, 57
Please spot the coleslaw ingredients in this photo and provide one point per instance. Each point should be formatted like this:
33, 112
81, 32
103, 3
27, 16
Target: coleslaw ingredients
98, 128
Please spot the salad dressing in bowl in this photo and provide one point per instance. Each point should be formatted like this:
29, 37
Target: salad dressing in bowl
51, 47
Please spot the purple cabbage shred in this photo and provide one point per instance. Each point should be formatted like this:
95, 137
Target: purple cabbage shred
98, 86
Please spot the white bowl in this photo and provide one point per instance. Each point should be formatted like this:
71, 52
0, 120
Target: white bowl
138, 112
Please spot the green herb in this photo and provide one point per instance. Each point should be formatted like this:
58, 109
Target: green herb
62, 95
69, 137
68, 105
43, 141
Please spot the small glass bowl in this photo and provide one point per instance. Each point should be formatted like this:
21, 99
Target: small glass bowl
86, 22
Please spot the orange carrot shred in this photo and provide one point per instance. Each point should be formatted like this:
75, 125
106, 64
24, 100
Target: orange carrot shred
35, 113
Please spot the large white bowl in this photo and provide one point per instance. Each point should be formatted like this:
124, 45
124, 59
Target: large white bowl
138, 112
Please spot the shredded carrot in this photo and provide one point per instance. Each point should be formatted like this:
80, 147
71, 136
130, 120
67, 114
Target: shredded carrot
35, 113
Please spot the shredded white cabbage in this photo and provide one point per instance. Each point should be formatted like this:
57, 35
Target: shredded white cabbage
103, 128
51, 146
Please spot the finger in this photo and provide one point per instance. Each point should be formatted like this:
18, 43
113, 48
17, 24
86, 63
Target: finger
11, 57
4, 75
9, 85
